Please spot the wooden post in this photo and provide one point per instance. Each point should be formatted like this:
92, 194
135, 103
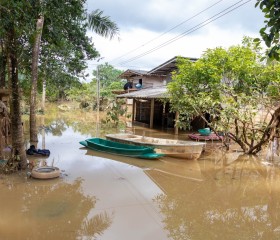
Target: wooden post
152, 113
133, 110
163, 116
176, 119
1, 144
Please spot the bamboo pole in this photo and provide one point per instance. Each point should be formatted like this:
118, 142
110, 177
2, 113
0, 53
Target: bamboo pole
152, 113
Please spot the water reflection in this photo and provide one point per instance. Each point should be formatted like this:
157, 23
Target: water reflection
58, 209
58, 126
171, 166
236, 201
96, 225
220, 196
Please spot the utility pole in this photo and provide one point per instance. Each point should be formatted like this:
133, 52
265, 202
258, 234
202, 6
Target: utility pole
98, 89
97, 97
98, 85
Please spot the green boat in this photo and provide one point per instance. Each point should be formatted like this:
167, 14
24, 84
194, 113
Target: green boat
103, 145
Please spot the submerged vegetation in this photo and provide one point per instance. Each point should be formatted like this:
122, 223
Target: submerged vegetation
11, 165
238, 90
43, 53
116, 110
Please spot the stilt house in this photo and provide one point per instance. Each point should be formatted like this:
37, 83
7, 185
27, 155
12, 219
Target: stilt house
147, 98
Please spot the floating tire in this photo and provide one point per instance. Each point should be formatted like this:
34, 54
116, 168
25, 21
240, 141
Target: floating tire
45, 172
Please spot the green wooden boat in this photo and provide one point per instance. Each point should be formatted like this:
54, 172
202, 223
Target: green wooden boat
103, 145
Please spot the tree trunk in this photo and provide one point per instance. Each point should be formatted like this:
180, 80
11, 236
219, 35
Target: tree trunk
16, 123
33, 95
3, 65
44, 93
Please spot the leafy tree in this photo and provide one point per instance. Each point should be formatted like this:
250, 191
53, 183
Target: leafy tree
86, 93
237, 91
116, 110
107, 74
108, 78
66, 36
16, 28
58, 43
83, 93
270, 32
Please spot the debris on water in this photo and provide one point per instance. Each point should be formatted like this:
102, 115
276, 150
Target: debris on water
267, 163
121, 178
28, 174
277, 229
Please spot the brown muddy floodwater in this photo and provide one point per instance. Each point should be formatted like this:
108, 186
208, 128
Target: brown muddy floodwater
102, 196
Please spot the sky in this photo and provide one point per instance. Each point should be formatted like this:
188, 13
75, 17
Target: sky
154, 31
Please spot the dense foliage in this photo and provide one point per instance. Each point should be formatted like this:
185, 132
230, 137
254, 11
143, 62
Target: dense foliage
46, 39
235, 88
86, 93
270, 32
65, 46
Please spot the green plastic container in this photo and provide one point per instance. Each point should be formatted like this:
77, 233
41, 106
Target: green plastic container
204, 131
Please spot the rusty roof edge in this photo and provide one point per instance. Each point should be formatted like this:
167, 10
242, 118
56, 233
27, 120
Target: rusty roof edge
151, 72
131, 71
162, 65
170, 61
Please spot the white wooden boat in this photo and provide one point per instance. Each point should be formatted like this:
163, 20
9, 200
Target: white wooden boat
169, 147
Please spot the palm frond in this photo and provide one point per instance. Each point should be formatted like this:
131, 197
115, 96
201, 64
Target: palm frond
96, 225
102, 25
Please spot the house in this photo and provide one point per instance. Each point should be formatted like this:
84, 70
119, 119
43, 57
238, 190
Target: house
157, 77
146, 80
147, 98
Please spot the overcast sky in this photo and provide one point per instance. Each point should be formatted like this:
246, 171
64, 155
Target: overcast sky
146, 26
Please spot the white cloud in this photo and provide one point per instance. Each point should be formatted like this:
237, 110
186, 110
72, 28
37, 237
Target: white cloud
141, 22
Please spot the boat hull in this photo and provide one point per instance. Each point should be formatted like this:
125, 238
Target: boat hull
112, 147
169, 147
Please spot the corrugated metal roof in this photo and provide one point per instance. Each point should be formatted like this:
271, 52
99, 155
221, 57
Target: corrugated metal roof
131, 73
168, 66
161, 70
158, 92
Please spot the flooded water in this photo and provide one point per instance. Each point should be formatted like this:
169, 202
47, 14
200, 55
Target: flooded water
103, 196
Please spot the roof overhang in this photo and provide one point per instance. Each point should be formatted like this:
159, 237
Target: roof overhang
148, 93
161, 70
132, 73
168, 67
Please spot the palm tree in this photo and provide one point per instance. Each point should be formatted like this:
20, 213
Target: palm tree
102, 25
